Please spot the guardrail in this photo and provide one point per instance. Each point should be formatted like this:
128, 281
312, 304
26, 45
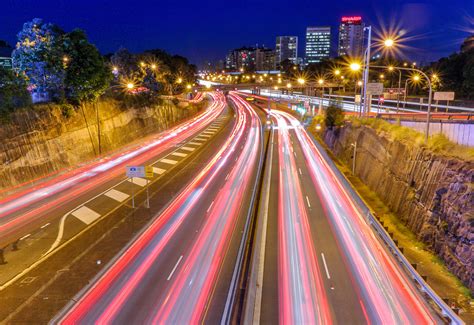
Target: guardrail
422, 286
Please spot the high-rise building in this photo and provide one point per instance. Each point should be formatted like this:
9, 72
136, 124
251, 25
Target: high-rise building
318, 44
351, 37
286, 49
250, 59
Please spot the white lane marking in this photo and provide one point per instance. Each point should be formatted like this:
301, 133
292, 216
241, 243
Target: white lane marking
187, 148
299, 169
86, 215
45, 225
195, 143
117, 195
179, 154
210, 206
307, 201
325, 266
214, 129
174, 268
26, 236
205, 136
227, 177
158, 171
209, 132
168, 161
139, 181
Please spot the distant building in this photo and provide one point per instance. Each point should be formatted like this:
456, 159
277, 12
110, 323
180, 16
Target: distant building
250, 59
286, 49
351, 37
265, 59
318, 44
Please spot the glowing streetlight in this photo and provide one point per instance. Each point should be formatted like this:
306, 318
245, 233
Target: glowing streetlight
320, 81
115, 69
179, 80
188, 86
382, 76
359, 83
288, 85
355, 66
301, 81
130, 86
389, 42
153, 66
416, 78
142, 63
390, 68
337, 72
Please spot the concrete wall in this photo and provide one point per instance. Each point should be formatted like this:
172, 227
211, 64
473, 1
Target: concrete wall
430, 193
42, 141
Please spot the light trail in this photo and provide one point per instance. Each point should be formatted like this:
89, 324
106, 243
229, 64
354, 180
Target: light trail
193, 282
85, 178
302, 298
389, 296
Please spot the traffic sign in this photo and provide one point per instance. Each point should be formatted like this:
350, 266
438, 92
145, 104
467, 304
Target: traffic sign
375, 88
135, 171
6, 63
444, 95
149, 171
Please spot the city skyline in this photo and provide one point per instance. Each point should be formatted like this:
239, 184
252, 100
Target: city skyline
432, 26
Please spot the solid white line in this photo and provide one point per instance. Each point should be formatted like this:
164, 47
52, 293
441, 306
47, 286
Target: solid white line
45, 225
26, 236
325, 266
174, 269
307, 201
210, 206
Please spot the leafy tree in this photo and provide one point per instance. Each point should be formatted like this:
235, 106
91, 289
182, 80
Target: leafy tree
87, 76
13, 92
334, 116
38, 57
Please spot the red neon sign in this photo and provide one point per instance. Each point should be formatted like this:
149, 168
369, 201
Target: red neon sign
353, 19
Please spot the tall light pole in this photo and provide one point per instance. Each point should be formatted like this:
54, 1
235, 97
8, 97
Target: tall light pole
367, 65
430, 94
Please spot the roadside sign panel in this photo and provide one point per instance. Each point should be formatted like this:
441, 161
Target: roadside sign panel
135, 171
444, 95
149, 171
357, 99
375, 88
6, 63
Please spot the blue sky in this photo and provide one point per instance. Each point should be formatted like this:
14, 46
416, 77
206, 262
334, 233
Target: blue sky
203, 30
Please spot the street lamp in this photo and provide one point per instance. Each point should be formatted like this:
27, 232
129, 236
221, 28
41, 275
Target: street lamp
301, 81
389, 42
355, 66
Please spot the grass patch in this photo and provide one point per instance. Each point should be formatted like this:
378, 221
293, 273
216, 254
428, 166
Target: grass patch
437, 143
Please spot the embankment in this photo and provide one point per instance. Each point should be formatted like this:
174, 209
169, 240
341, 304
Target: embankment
431, 193
42, 140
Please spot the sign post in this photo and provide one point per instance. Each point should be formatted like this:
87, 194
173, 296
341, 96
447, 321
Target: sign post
148, 175
373, 88
132, 172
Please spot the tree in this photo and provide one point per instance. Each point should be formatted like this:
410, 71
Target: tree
38, 57
13, 92
87, 76
334, 116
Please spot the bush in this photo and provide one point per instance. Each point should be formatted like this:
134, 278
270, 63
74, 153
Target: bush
334, 116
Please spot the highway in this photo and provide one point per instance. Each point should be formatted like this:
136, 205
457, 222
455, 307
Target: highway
181, 268
70, 209
322, 262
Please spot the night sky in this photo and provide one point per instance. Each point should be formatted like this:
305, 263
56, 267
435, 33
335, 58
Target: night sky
206, 30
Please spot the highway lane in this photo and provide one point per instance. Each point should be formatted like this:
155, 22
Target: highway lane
323, 264
40, 219
181, 269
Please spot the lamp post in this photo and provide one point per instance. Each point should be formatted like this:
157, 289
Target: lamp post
430, 94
